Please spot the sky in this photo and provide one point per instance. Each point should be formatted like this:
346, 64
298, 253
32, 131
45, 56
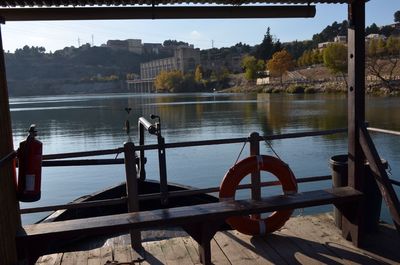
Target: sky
204, 34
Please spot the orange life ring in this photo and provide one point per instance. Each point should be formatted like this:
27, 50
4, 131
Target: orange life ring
231, 180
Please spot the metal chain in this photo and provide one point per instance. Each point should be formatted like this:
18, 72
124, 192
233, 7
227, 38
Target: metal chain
240, 153
272, 149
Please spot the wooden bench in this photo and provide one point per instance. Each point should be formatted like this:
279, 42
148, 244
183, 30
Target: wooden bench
200, 221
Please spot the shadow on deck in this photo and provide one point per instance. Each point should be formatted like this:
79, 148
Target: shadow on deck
303, 240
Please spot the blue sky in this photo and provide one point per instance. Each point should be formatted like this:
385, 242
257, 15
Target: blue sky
202, 33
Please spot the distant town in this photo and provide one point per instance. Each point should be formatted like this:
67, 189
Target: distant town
317, 65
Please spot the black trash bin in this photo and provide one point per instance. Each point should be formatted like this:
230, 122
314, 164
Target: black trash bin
373, 197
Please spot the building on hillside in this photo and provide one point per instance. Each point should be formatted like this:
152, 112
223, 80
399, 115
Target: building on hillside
185, 59
341, 39
323, 45
395, 26
338, 39
375, 37
154, 48
216, 60
131, 45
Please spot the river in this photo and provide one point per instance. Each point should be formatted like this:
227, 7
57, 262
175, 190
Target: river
92, 122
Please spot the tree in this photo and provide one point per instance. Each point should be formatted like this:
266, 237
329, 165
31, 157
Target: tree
251, 66
387, 30
373, 29
198, 74
174, 43
280, 63
317, 57
383, 59
335, 58
397, 16
168, 81
330, 32
267, 47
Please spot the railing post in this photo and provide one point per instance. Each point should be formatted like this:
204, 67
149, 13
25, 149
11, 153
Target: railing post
255, 177
132, 189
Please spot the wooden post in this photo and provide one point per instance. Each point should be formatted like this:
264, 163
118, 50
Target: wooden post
10, 219
352, 214
132, 189
255, 177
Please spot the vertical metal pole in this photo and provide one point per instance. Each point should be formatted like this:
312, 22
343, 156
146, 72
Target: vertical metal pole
142, 172
132, 189
255, 176
10, 220
163, 169
353, 221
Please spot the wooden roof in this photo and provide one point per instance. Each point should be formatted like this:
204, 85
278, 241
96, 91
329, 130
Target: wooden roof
81, 3
24, 10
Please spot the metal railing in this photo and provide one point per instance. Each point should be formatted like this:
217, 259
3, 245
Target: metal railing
391, 132
254, 139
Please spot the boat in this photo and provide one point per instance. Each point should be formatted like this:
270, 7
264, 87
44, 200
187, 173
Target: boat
146, 187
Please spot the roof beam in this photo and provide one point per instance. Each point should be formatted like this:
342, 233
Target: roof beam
181, 12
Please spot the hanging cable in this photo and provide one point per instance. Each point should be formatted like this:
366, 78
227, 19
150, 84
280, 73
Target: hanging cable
240, 153
272, 149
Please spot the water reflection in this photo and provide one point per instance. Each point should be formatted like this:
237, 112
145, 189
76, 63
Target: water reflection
90, 122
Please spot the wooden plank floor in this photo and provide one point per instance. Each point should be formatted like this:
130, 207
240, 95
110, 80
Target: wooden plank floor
303, 240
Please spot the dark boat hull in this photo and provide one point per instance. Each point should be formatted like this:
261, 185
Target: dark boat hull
118, 191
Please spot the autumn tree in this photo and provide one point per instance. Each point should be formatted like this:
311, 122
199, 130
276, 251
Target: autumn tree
198, 74
383, 59
251, 66
335, 59
280, 63
168, 81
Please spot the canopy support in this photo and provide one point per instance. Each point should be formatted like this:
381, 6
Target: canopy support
10, 219
353, 226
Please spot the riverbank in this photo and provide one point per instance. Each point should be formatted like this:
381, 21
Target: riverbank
311, 88
316, 79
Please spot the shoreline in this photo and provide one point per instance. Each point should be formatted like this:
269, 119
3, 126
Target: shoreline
316, 88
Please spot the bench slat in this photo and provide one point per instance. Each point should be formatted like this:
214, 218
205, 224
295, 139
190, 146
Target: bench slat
183, 215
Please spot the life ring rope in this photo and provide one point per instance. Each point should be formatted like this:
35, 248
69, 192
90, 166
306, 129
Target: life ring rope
231, 180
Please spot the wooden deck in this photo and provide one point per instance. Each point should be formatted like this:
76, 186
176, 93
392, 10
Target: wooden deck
303, 240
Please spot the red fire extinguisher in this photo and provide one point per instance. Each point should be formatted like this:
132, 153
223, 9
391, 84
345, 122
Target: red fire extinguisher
29, 168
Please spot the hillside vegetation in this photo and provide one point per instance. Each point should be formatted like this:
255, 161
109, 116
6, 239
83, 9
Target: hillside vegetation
86, 69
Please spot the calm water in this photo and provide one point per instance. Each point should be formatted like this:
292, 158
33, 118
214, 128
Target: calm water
90, 122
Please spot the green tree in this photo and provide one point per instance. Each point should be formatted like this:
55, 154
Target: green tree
267, 47
335, 58
330, 32
372, 47
397, 16
280, 63
373, 29
381, 47
251, 66
393, 46
317, 57
169, 81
